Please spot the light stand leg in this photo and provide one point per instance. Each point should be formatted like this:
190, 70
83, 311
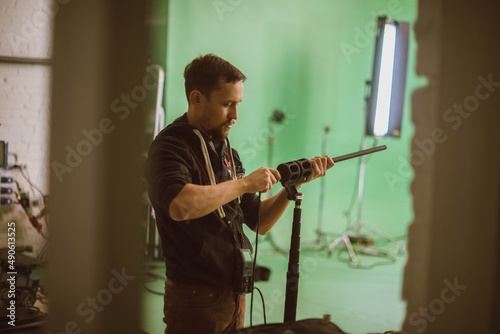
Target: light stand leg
348, 244
292, 276
401, 245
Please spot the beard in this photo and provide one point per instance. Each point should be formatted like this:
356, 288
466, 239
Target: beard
220, 133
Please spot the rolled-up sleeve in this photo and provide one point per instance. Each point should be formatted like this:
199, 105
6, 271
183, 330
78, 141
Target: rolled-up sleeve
168, 169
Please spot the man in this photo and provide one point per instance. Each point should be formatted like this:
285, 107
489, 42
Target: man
201, 199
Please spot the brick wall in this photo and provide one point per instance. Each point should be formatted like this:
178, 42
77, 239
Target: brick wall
25, 32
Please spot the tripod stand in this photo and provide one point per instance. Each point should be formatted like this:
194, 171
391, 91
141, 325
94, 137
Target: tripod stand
277, 118
346, 236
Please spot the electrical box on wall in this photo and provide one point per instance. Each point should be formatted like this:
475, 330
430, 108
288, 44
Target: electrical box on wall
3, 154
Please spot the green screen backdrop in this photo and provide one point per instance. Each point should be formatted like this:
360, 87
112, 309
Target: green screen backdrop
310, 59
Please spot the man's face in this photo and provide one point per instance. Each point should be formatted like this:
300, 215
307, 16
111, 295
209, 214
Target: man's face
219, 112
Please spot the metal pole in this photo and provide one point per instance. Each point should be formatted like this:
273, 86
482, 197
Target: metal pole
322, 191
292, 276
361, 180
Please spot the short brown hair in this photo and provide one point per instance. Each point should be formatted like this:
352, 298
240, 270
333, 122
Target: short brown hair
205, 74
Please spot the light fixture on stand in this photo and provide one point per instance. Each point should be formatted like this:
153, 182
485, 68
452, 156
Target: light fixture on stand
277, 118
384, 110
319, 241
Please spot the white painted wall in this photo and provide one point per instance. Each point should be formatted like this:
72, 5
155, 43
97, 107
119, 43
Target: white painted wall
25, 32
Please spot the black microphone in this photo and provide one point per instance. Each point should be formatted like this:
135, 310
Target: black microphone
295, 172
292, 173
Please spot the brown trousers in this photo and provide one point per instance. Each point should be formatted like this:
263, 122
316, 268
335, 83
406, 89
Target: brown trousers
194, 309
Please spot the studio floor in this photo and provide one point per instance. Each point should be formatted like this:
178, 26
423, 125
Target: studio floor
364, 297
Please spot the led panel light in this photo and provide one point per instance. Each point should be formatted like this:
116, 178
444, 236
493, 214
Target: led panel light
386, 101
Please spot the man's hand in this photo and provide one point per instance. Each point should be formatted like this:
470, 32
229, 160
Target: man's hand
262, 180
319, 166
273, 208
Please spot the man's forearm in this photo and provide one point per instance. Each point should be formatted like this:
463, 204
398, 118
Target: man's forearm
195, 201
271, 210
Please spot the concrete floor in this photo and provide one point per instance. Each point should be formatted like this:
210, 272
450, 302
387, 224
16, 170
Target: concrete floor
360, 298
